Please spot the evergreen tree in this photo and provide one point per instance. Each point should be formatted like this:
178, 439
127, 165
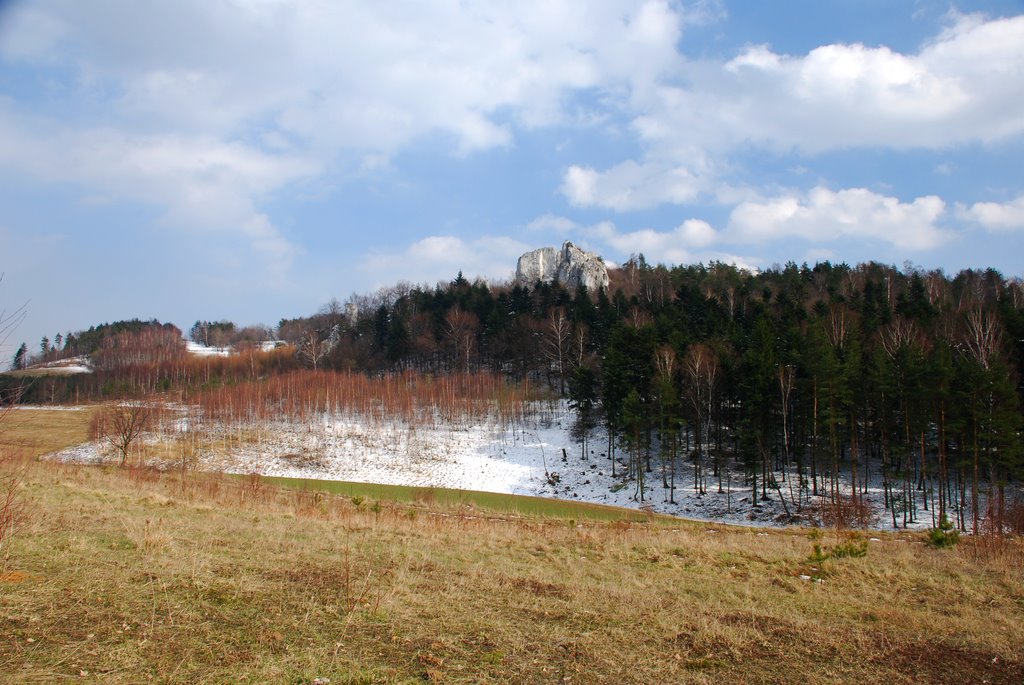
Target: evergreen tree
584, 393
20, 358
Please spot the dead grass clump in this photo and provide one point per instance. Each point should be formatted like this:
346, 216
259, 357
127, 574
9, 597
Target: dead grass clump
997, 551
426, 497
143, 474
153, 537
13, 507
537, 588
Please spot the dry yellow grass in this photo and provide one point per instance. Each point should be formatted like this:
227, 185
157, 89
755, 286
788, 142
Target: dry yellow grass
32, 432
130, 576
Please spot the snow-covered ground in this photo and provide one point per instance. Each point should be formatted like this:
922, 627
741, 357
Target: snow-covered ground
61, 367
69, 366
539, 458
201, 350
45, 407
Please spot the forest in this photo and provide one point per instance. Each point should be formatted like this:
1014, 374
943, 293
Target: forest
809, 382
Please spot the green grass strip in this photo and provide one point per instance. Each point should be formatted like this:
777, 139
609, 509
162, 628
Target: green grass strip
491, 502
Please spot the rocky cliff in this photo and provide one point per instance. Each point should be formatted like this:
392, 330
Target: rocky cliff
569, 266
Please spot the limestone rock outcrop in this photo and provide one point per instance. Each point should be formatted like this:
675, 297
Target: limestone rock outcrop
569, 266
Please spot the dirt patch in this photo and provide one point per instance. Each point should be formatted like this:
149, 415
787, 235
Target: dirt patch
938, 661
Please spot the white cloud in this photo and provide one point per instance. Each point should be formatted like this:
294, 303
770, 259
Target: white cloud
441, 257
956, 89
348, 74
995, 215
696, 232
262, 94
965, 86
549, 223
823, 216
203, 184
270, 93
629, 186
685, 244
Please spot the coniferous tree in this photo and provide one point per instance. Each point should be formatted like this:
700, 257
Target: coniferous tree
20, 358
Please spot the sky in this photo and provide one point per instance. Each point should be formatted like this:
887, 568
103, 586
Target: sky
250, 160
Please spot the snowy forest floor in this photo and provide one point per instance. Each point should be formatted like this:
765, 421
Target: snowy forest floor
536, 456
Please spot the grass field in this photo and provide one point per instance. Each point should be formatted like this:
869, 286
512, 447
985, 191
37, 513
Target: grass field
36, 431
446, 498
133, 576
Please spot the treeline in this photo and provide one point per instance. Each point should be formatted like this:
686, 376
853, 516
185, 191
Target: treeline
809, 381
226, 334
86, 343
136, 358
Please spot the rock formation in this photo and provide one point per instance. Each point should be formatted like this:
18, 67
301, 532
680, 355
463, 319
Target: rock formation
569, 266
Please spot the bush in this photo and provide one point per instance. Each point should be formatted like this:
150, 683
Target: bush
944, 536
853, 549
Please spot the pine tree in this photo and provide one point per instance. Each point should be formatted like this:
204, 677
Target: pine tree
20, 358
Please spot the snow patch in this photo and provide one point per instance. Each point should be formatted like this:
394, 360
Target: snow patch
536, 457
201, 350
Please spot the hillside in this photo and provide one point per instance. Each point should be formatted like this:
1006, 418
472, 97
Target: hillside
862, 384
132, 575
535, 455
126, 576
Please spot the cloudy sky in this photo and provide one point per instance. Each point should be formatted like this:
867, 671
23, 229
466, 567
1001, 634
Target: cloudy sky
252, 159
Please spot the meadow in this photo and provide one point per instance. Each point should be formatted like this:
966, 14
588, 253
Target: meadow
128, 575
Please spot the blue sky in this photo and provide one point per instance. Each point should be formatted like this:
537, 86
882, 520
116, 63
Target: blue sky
251, 160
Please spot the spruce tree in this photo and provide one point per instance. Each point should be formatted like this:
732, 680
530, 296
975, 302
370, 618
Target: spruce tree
20, 358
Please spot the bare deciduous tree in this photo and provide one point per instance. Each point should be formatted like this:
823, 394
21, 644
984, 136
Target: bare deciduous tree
900, 334
836, 325
120, 425
579, 344
313, 349
462, 327
557, 330
982, 336
700, 368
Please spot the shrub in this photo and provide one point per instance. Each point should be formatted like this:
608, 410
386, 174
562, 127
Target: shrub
944, 536
853, 549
